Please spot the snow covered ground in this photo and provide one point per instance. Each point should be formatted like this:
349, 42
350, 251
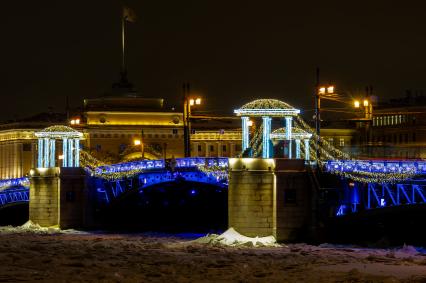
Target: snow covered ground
33, 254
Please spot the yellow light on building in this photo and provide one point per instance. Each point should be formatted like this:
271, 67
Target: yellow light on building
60, 157
250, 123
137, 142
330, 89
191, 102
321, 90
365, 102
356, 104
198, 101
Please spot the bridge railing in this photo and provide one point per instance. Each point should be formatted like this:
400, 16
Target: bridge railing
14, 195
17, 182
377, 166
148, 165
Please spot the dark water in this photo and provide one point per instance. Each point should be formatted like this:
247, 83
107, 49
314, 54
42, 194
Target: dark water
391, 226
14, 214
170, 207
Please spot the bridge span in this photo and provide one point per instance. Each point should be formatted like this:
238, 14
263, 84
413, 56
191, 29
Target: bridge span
365, 184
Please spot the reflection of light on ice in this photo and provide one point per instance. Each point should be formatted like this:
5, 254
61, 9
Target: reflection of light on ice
232, 238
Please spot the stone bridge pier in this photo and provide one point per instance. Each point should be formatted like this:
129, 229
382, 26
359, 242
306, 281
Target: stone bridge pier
59, 197
272, 197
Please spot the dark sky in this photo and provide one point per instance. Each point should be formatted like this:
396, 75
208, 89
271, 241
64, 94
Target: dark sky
231, 51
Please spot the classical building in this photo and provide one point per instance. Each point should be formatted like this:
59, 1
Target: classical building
129, 127
398, 128
18, 143
117, 129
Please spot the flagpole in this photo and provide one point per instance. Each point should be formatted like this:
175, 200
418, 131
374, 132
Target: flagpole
123, 66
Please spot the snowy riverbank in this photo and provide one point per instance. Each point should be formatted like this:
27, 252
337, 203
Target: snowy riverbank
73, 256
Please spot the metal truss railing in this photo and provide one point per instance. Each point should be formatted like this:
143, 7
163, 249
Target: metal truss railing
14, 195
356, 197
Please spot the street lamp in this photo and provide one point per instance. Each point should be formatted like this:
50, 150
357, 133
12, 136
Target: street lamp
326, 92
356, 103
368, 107
187, 103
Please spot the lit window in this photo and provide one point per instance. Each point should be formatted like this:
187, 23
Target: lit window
342, 142
331, 140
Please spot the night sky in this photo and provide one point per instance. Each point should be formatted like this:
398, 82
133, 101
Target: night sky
230, 51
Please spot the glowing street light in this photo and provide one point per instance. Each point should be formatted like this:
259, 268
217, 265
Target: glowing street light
250, 123
356, 103
137, 142
326, 92
365, 103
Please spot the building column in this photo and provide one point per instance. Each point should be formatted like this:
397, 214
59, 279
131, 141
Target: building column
70, 153
289, 134
306, 149
195, 152
266, 137
297, 149
46, 153
245, 133
76, 153
207, 150
40, 153
231, 149
288, 127
52, 153
64, 152
290, 153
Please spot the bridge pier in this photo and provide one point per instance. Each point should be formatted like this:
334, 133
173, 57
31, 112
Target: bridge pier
271, 197
59, 197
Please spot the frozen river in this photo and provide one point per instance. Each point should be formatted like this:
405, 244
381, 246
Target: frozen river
102, 257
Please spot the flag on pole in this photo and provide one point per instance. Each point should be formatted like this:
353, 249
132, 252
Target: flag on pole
129, 15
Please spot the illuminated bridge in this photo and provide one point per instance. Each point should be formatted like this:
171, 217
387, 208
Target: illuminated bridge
365, 184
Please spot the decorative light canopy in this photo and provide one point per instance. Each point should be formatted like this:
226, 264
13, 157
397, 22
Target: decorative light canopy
267, 107
47, 145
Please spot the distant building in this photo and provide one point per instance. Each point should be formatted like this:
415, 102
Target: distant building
399, 128
120, 128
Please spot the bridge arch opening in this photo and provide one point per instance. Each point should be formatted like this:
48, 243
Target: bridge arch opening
15, 213
175, 206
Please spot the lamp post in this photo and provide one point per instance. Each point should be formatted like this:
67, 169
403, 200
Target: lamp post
320, 92
368, 116
188, 102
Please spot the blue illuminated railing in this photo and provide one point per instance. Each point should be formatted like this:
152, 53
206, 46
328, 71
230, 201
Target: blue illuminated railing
7, 183
161, 164
14, 195
376, 166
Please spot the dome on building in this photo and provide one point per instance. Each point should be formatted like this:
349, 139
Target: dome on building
267, 107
